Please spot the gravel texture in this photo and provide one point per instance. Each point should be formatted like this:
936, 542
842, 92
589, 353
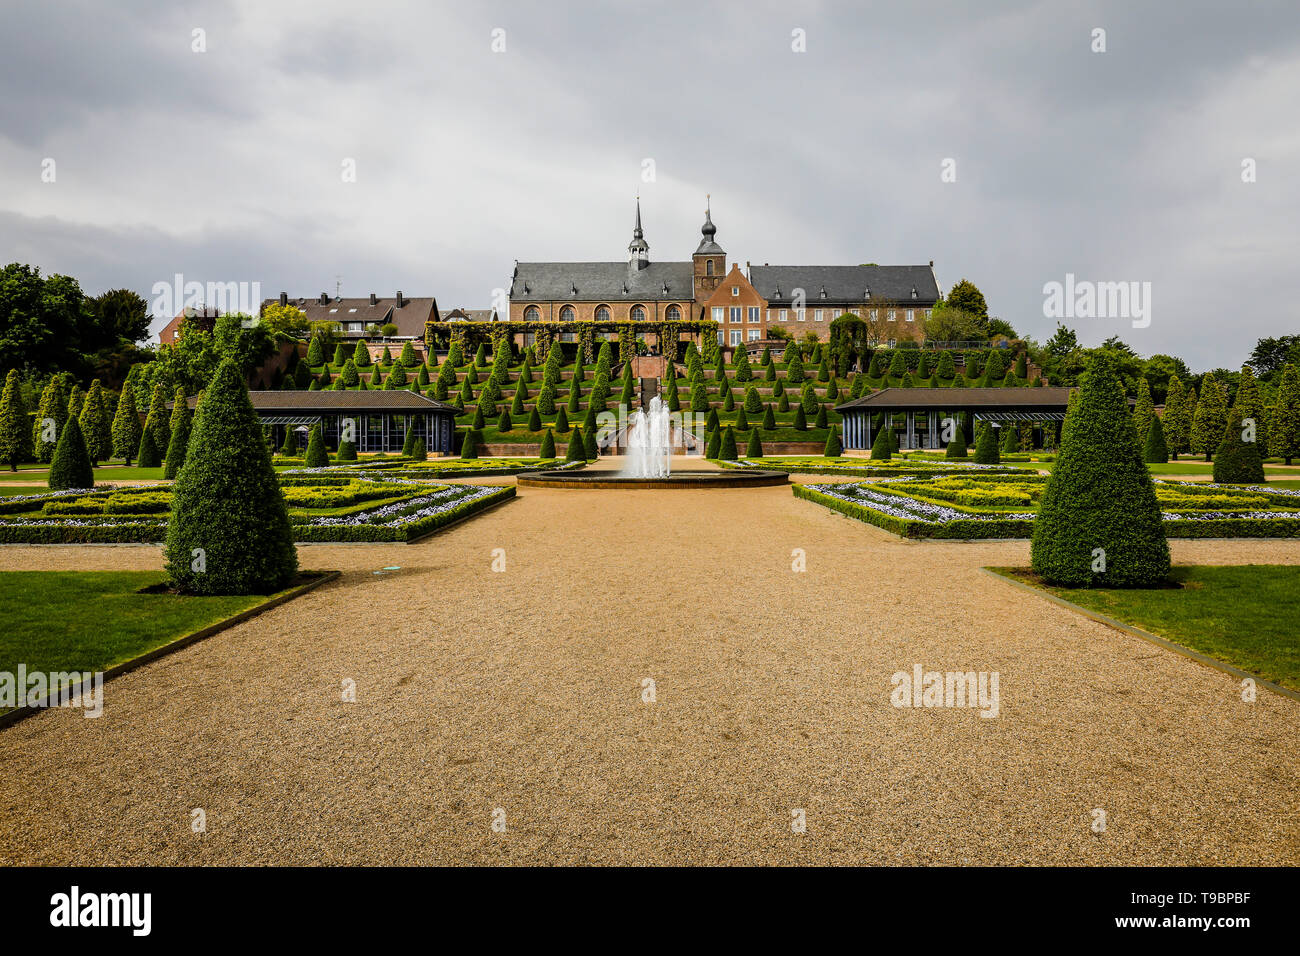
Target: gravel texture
522, 690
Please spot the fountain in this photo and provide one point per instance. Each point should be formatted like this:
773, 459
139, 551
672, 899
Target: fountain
649, 442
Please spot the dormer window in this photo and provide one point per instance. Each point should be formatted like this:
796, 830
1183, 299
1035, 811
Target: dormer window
735, 290
913, 292
867, 294
823, 292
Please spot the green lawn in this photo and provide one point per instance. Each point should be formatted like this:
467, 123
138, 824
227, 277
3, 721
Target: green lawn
114, 473
91, 620
1242, 615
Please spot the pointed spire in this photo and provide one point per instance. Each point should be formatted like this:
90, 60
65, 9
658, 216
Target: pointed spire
707, 246
638, 249
636, 232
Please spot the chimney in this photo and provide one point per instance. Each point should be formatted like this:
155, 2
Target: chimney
400, 301
324, 299
374, 299
284, 298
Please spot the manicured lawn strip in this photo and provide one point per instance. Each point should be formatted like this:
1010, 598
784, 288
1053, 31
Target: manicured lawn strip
1243, 615
91, 620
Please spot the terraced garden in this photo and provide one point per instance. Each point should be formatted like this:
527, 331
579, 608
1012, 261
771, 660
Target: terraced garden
970, 505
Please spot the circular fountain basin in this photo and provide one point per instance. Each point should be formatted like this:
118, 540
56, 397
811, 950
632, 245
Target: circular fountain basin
730, 478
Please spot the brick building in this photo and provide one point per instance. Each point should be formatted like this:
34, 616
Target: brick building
745, 304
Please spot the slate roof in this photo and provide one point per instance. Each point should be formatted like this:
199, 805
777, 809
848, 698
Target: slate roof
847, 284
958, 399
409, 319
602, 282
341, 400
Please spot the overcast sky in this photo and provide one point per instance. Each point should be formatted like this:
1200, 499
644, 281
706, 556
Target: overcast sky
227, 165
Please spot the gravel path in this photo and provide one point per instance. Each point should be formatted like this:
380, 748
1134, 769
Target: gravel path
522, 690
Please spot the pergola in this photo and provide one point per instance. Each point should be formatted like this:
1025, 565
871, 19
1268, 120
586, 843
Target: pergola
380, 418
1038, 406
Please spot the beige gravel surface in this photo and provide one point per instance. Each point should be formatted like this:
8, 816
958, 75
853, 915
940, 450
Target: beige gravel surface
522, 690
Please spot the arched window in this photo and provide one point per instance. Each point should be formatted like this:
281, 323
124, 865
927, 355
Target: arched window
532, 314
638, 313
602, 313
566, 314
708, 267
673, 314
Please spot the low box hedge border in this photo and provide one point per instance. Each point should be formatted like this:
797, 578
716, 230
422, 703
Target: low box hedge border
1020, 528
408, 533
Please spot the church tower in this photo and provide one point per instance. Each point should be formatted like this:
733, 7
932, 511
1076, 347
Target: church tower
710, 262
638, 250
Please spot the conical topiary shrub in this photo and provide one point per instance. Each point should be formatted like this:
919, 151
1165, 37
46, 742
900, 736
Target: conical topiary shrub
755, 447
228, 532
833, 448
419, 452
986, 445
591, 445
71, 466
882, 446
727, 449
290, 447
149, 456
577, 450
1155, 452
181, 422
317, 456
469, 446
548, 446
534, 420
713, 444
15, 429
1099, 523
957, 447
347, 451
561, 421
1238, 461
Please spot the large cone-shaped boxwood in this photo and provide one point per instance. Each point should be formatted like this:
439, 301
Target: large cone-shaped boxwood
1238, 462
317, 456
1099, 523
229, 531
71, 465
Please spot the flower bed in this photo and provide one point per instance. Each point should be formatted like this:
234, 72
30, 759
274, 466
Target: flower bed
915, 507
381, 508
867, 468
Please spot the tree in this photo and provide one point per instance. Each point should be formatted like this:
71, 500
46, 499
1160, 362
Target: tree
755, 447
51, 413
1251, 405
897, 365
808, 398
1177, 422
1010, 440
1271, 356
316, 352
1237, 461
340, 354
157, 420
469, 446
534, 420
149, 455
228, 531
800, 421
407, 358
419, 451
882, 449
948, 323
548, 445
1284, 429
744, 372
181, 421
1099, 524
947, 368
1144, 411
126, 427
71, 467
966, 297
504, 423
986, 445
833, 447
349, 376
742, 421
15, 432
396, 377
1211, 417
769, 419
577, 450
96, 429
727, 449
1154, 451
957, 446
561, 421
289, 449
361, 357
592, 449
713, 445
317, 456
794, 373
752, 401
